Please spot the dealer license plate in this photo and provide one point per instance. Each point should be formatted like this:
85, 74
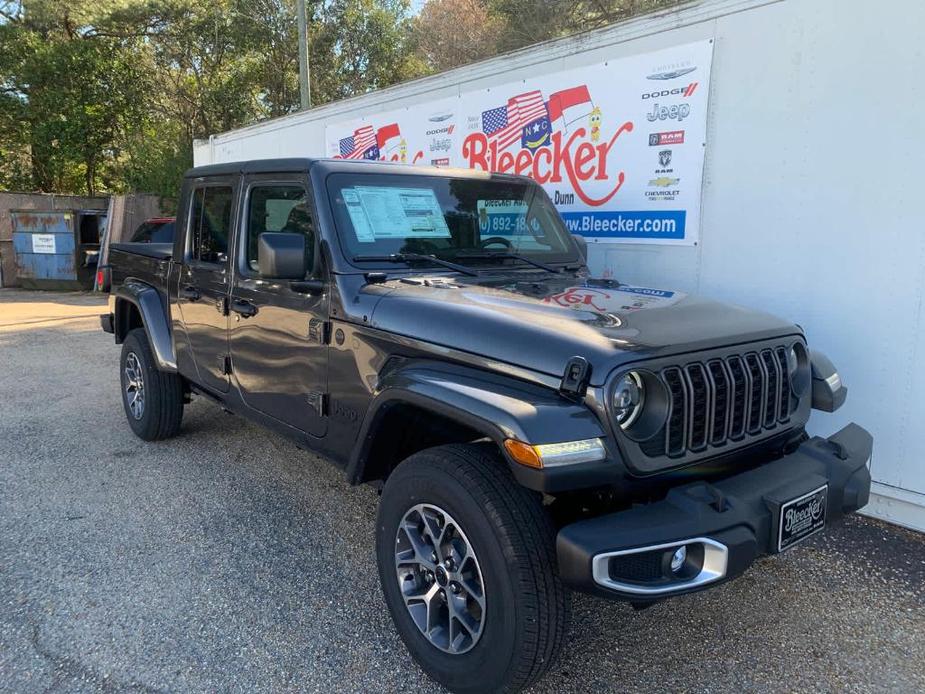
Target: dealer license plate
802, 517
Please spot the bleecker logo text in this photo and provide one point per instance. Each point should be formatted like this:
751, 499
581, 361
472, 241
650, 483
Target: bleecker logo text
578, 162
574, 297
798, 519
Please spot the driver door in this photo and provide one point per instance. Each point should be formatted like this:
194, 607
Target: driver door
278, 347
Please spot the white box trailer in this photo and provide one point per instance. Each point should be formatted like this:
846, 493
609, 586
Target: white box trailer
807, 190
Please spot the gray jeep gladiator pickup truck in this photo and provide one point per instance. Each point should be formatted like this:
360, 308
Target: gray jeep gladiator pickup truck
532, 430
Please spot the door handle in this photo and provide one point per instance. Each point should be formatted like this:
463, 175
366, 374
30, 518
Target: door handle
243, 307
190, 292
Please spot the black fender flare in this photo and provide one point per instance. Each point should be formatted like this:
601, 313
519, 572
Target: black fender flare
153, 314
497, 406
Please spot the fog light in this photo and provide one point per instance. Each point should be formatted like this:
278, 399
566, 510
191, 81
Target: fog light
678, 559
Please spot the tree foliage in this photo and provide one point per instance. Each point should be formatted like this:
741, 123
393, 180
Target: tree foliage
108, 95
448, 33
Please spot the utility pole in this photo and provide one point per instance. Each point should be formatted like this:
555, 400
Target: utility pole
305, 93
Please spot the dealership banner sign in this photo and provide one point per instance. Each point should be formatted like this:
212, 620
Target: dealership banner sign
619, 146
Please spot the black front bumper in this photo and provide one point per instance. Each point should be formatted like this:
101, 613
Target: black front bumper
739, 514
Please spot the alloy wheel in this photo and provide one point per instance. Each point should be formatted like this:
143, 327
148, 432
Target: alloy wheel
134, 385
440, 579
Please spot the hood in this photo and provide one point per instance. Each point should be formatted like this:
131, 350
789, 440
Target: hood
540, 321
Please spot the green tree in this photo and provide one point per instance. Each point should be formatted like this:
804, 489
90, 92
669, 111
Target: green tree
69, 96
109, 95
476, 33
360, 45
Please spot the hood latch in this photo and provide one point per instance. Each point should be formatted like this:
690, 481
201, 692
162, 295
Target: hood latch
575, 379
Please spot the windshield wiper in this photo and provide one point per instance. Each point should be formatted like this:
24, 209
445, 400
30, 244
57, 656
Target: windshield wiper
410, 257
504, 255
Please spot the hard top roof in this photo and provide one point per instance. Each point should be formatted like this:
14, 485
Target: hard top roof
303, 164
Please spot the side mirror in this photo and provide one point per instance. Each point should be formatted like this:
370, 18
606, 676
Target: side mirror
281, 256
582, 246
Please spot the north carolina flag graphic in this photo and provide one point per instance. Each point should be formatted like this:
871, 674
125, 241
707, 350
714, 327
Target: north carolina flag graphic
505, 124
536, 134
569, 105
387, 133
361, 146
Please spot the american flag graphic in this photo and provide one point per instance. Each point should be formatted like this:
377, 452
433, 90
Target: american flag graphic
505, 124
356, 146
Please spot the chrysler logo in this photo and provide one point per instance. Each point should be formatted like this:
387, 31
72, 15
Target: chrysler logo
671, 74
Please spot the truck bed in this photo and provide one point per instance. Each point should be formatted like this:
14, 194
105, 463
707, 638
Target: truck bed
148, 262
160, 251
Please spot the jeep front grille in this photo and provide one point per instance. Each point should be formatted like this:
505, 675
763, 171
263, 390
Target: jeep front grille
719, 400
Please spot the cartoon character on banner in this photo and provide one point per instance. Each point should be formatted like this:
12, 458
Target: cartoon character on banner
402, 151
594, 122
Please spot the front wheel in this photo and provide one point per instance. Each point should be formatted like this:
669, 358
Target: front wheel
153, 399
468, 568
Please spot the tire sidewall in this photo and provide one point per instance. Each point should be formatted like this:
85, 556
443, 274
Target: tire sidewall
137, 345
489, 661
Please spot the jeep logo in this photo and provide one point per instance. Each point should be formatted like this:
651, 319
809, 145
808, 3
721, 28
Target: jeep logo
674, 112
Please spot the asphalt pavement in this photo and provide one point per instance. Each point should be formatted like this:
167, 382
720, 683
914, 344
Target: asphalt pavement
228, 560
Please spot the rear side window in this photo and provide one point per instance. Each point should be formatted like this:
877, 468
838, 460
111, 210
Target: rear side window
210, 223
154, 232
278, 208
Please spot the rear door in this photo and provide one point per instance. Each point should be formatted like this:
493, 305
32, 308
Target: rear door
279, 352
205, 277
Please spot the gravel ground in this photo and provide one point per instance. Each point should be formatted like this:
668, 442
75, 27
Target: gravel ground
228, 560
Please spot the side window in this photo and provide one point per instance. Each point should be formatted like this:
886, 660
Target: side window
210, 223
280, 208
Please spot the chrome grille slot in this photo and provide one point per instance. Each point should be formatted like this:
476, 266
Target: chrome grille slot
785, 392
741, 387
772, 397
700, 406
756, 395
675, 429
721, 400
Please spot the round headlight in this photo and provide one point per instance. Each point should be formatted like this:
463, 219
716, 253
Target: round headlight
628, 397
798, 368
793, 361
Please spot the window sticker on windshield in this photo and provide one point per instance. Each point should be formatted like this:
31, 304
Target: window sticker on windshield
387, 212
503, 217
358, 216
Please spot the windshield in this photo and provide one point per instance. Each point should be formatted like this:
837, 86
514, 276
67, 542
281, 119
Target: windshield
461, 219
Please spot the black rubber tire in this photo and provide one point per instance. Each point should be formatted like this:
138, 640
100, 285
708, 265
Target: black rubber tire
527, 606
163, 410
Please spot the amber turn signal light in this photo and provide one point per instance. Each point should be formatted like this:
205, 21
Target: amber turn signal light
522, 453
547, 455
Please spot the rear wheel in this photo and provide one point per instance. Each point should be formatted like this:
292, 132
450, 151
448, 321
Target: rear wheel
468, 568
153, 399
